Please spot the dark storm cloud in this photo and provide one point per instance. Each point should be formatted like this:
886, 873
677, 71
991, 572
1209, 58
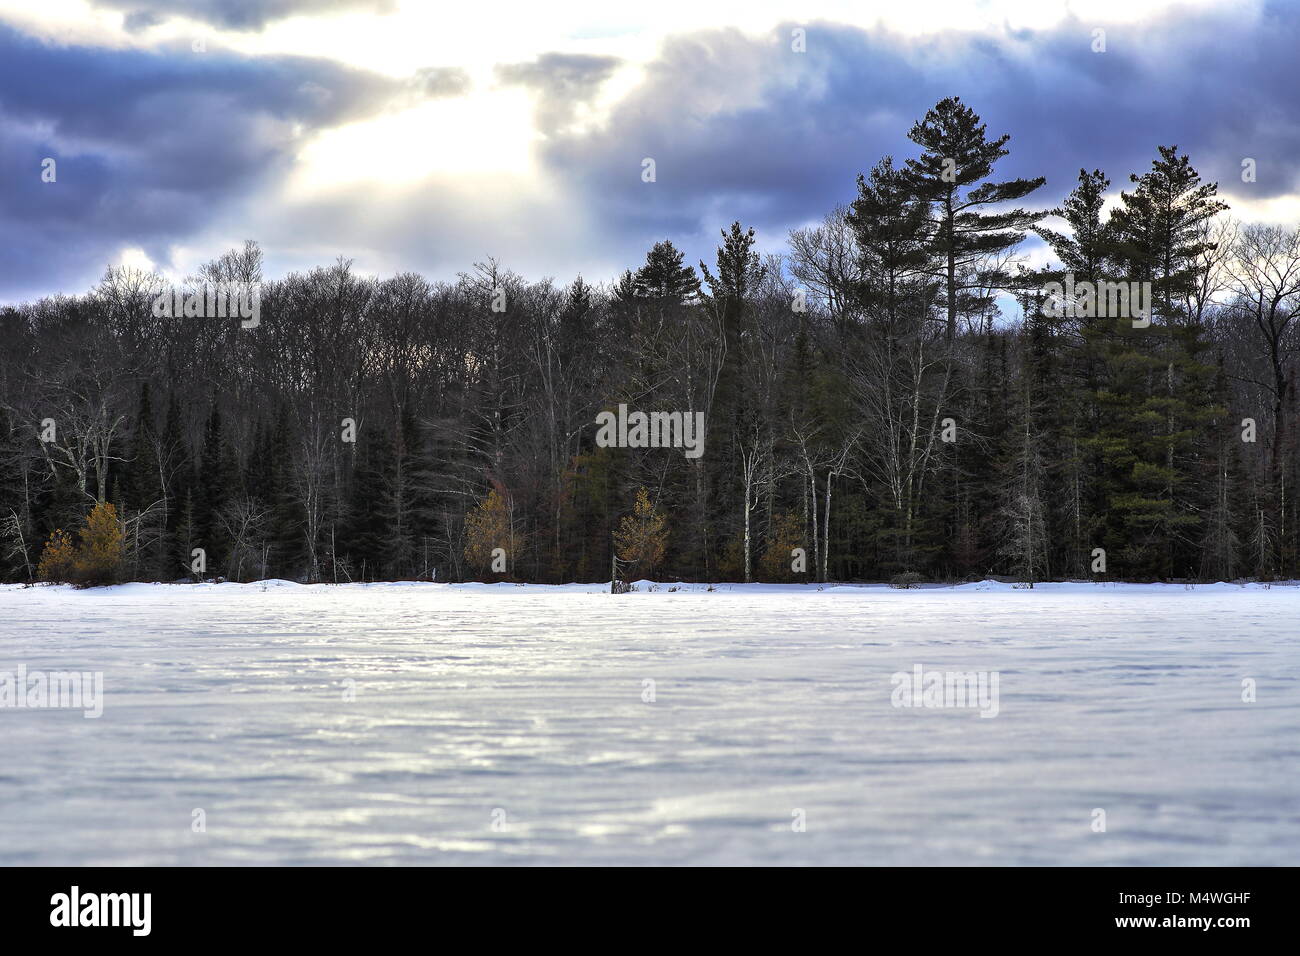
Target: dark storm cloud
746, 128
232, 14
562, 81
150, 147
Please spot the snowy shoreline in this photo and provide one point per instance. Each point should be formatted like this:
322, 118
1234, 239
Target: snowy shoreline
646, 586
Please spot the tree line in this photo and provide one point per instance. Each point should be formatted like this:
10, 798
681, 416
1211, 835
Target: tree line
896, 396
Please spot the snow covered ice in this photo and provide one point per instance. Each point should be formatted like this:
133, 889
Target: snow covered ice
523, 707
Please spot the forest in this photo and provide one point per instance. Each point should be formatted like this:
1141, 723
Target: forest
893, 397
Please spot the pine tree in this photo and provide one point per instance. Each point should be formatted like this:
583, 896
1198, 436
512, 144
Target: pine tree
1159, 229
1089, 254
178, 470
783, 537
143, 485
733, 414
739, 268
665, 277
58, 560
142, 492
101, 552
641, 539
956, 156
1159, 389
1090, 246
17, 534
287, 543
891, 223
487, 528
215, 484
372, 511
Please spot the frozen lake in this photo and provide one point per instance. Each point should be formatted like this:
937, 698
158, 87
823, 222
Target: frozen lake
434, 724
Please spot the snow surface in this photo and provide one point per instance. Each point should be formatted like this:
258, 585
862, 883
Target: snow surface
472, 699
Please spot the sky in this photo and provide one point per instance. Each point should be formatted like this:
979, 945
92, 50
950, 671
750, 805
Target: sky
419, 136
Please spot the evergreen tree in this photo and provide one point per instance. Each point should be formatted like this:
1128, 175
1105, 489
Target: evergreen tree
1088, 254
1090, 245
214, 485
487, 529
891, 223
177, 468
956, 158
372, 517
18, 540
59, 559
1159, 388
143, 482
665, 277
101, 551
642, 536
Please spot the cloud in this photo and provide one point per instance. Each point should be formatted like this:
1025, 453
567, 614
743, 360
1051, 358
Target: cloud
232, 14
564, 82
745, 127
435, 81
740, 126
149, 147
